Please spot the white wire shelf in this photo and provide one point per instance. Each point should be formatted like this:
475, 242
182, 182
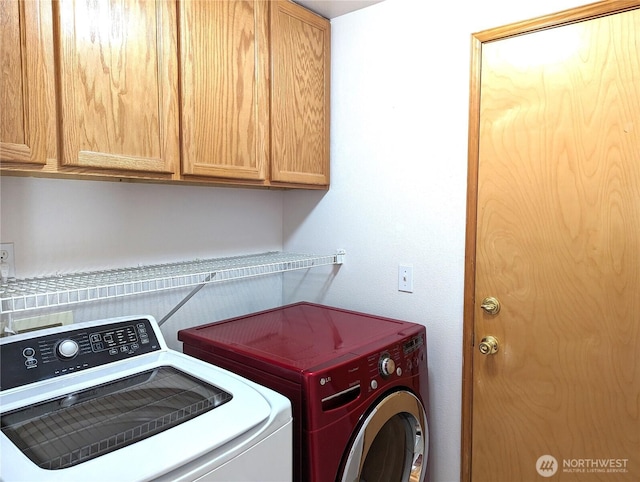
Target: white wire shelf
37, 293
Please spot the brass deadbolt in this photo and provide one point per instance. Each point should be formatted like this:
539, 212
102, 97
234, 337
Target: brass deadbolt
491, 305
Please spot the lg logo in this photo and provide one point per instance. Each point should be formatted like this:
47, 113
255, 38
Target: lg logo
547, 465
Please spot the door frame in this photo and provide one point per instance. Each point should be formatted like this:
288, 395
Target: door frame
574, 15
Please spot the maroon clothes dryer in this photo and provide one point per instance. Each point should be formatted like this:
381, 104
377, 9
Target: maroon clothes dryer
357, 384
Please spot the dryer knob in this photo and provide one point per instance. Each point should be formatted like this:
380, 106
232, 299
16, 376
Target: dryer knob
67, 349
387, 366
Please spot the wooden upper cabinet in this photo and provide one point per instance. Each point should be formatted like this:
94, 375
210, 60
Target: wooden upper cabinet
255, 91
119, 85
300, 56
23, 125
224, 66
233, 91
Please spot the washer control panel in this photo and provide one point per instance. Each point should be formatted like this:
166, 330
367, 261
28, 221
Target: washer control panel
63, 351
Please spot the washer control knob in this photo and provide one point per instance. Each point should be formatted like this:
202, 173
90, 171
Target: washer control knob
67, 349
387, 366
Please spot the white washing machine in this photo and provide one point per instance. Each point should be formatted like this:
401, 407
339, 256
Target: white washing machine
107, 400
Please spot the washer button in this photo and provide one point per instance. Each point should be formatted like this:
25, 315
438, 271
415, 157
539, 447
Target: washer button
28, 352
374, 384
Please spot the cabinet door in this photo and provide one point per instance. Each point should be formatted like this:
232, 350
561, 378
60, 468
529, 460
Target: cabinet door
300, 56
118, 71
22, 83
224, 88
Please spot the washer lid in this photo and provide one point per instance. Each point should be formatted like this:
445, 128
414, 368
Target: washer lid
78, 427
221, 433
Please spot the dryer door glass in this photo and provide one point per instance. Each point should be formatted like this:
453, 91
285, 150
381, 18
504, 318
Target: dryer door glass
80, 426
392, 443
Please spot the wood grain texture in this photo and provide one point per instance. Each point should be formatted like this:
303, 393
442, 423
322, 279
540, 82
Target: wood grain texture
118, 76
12, 127
578, 14
558, 242
469, 347
300, 48
470, 257
23, 124
225, 97
113, 102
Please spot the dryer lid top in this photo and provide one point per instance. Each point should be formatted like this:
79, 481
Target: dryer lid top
299, 336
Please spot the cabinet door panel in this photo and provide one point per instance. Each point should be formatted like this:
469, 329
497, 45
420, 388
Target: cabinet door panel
224, 71
22, 91
300, 52
118, 68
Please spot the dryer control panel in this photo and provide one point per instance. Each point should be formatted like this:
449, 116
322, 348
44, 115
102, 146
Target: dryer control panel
55, 352
403, 358
357, 379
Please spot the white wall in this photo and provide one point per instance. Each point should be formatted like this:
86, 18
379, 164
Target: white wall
60, 226
400, 91
67, 226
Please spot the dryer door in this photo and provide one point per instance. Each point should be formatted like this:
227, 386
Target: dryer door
392, 443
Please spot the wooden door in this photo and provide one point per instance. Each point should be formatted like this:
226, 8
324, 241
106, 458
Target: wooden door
224, 61
118, 89
23, 94
300, 49
555, 237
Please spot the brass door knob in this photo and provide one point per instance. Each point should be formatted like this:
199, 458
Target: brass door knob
488, 345
491, 305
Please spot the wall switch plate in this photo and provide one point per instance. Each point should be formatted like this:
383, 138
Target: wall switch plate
7, 261
405, 278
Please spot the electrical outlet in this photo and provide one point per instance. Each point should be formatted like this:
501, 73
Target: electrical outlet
405, 278
7, 261
42, 321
